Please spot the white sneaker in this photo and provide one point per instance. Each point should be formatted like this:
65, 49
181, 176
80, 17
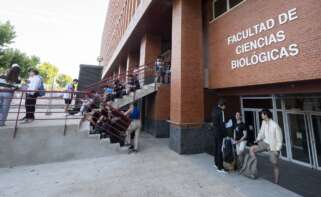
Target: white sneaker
78, 114
221, 171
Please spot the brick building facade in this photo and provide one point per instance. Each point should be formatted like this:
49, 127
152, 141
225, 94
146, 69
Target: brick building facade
254, 53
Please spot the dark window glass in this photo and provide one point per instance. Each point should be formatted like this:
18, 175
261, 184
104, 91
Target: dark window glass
278, 103
234, 2
258, 103
306, 104
249, 118
220, 6
280, 121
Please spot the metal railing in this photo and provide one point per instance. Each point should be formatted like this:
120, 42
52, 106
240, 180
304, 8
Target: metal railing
50, 107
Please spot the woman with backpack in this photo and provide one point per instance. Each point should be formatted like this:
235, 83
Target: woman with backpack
7, 87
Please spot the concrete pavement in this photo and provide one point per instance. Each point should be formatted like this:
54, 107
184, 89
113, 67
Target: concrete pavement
154, 171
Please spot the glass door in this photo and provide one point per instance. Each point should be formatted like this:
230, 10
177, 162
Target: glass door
250, 119
316, 138
299, 138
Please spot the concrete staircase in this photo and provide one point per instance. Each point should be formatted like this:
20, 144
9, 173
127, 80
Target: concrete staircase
140, 93
45, 143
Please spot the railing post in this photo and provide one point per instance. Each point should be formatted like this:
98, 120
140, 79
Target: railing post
16, 124
65, 125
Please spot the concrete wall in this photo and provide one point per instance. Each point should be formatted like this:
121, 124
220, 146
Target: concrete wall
45, 144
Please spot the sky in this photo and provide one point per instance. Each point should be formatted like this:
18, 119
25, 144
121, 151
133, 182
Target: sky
65, 33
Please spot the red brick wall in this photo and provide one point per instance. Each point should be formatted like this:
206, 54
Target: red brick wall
158, 106
304, 31
117, 20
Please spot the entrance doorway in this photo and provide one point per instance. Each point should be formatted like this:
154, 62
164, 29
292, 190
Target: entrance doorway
301, 126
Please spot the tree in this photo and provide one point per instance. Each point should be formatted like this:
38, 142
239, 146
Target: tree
7, 34
62, 80
15, 56
48, 72
9, 56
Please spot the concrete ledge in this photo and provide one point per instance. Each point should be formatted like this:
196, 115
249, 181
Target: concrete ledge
45, 144
188, 140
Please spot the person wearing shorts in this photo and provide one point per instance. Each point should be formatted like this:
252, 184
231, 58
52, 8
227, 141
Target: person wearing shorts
68, 95
67, 101
269, 140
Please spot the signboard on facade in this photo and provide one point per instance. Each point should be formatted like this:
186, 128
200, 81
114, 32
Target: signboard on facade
265, 42
242, 43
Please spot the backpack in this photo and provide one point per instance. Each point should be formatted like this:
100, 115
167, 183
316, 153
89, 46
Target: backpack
41, 90
249, 167
228, 150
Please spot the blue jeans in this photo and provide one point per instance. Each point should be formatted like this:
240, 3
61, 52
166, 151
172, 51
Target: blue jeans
5, 101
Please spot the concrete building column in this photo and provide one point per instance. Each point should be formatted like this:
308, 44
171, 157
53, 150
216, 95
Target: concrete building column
187, 84
150, 49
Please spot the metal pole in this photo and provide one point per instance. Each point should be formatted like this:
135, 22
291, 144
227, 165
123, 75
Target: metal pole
16, 125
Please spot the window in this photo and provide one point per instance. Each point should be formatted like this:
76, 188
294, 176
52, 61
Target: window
222, 6
234, 3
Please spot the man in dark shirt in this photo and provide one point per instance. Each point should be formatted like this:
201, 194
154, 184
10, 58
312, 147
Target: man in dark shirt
219, 133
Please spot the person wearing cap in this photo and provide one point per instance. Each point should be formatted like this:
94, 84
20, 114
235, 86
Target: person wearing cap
218, 121
7, 86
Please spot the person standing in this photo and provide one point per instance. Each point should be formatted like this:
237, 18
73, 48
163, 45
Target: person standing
269, 140
159, 67
31, 96
6, 91
218, 121
240, 137
135, 126
68, 95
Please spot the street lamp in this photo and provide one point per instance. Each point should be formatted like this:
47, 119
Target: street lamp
99, 60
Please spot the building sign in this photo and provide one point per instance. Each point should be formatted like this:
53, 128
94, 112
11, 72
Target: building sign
243, 45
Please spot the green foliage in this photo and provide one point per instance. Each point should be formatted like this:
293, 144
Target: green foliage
9, 56
7, 34
15, 56
48, 72
62, 80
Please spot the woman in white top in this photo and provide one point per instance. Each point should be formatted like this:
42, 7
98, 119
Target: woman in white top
31, 96
6, 91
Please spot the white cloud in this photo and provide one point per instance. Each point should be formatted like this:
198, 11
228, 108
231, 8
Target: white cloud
63, 32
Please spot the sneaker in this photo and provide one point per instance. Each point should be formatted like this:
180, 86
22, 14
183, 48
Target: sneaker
23, 119
222, 171
26, 121
78, 114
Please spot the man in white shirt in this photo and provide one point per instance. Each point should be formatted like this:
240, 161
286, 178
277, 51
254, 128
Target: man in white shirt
32, 94
269, 140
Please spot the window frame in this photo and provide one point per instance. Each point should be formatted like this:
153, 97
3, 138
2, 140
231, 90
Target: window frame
228, 9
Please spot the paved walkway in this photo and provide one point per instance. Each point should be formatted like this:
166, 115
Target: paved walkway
155, 171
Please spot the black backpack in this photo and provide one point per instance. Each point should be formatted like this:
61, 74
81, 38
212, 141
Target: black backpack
228, 150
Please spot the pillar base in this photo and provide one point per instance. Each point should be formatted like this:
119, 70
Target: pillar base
189, 140
158, 128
